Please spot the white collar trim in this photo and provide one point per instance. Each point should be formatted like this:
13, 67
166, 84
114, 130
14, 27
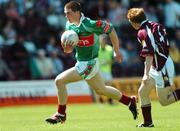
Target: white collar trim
143, 22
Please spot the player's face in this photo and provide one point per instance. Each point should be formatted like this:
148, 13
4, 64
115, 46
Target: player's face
70, 15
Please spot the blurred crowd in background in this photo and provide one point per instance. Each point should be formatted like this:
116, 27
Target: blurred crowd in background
30, 35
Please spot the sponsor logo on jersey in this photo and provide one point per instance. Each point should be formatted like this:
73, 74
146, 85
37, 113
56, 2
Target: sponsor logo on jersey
86, 40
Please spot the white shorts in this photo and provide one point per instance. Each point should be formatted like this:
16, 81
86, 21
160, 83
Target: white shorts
87, 69
164, 77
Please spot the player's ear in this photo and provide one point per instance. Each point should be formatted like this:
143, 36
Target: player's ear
78, 12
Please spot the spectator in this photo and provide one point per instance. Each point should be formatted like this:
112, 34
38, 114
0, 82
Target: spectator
177, 38
132, 66
2, 41
5, 72
29, 4
117, 14
30, 45
19, 59
150, 11
9, 33
42, 6
119, 68
51, 45
56, 5
57, 63
41, 66
12, 11
175, 55
53, 19
98, 10
172, 16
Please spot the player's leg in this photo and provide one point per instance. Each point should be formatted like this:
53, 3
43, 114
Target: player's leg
99, 86
165, 92
167, 96
68, 76
108, 82
107, 77
61, 80
176, 94
144, 92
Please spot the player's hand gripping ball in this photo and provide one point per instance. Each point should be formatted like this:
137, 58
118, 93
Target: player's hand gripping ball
69, 39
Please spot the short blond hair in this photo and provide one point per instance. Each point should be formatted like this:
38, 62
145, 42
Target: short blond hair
136, 15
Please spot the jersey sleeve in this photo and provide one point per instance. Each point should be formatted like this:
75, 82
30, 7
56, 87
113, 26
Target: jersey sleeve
100, 26
147, 49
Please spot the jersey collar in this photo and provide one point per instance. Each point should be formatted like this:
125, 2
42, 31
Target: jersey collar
143, 22
81, 19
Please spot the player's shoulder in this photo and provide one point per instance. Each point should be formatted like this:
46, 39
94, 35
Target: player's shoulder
142, 33
158, 28
156, 25
88, 21
70, 26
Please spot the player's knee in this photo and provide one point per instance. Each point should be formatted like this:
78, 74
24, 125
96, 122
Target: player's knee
100, 92
163, 102
59, 82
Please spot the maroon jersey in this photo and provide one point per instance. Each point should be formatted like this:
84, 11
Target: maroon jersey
154, 42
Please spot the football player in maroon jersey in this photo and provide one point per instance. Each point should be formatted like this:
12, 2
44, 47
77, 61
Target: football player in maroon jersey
158, 65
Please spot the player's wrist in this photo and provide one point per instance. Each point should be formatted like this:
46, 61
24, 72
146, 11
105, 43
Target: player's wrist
145, 77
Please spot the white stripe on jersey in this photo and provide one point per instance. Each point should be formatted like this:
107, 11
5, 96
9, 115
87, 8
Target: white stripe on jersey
161, 37
153, 42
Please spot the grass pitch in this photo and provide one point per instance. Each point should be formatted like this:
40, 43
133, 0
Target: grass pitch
87, 117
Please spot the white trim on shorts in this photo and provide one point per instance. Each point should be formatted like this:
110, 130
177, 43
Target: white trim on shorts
158, 77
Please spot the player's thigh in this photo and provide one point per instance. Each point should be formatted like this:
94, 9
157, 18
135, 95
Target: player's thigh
146, 87
70, 75
96, 83
107, 77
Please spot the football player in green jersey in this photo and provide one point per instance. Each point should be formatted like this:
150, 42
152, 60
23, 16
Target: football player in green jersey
87, 66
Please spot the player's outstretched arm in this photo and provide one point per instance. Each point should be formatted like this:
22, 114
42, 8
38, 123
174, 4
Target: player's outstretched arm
115, 42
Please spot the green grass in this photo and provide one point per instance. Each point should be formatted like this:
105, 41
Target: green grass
87, 117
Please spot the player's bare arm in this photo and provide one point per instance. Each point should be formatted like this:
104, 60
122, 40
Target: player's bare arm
147, 66
115, 42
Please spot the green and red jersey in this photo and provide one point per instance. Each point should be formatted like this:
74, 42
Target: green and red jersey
88, 31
